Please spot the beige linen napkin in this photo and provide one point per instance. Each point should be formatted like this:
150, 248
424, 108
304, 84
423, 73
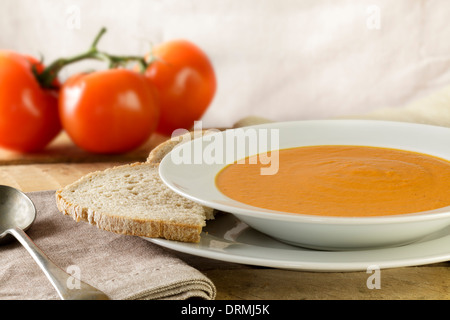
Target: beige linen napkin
124, 267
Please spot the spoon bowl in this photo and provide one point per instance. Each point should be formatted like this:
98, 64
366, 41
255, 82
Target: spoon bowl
17, 214
14, 201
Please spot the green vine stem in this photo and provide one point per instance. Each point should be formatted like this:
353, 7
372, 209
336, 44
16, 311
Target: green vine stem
47, 77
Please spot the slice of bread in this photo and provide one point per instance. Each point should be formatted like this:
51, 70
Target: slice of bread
157, 154
131, 199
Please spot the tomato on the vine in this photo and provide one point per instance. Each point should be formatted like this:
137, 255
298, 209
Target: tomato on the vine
28, 113
109, 111
186, 83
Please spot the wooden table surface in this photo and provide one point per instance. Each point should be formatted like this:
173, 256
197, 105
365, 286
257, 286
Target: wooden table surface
63, 163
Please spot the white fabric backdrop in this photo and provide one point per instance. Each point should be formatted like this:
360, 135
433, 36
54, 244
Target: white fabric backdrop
280, 59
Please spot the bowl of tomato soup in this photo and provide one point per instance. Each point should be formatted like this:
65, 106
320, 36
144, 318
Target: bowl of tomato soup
325, 184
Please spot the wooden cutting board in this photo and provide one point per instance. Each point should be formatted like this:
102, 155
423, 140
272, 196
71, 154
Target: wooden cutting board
63, 150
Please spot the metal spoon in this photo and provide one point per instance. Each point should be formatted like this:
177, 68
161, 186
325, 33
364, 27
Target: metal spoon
17, 214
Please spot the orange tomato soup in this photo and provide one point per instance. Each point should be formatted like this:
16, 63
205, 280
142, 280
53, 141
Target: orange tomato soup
342, 181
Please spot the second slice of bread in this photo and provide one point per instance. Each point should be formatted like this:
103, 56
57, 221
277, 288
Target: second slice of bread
132, 199
160, 151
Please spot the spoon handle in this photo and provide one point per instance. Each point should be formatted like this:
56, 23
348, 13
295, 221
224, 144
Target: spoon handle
55, 274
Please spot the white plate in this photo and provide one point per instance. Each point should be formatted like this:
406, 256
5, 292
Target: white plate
229, 239
194, 177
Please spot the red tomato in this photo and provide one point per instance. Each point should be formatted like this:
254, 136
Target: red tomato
111, 111
186, 84
28, 114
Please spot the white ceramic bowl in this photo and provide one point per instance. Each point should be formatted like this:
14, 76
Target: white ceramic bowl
195, 179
